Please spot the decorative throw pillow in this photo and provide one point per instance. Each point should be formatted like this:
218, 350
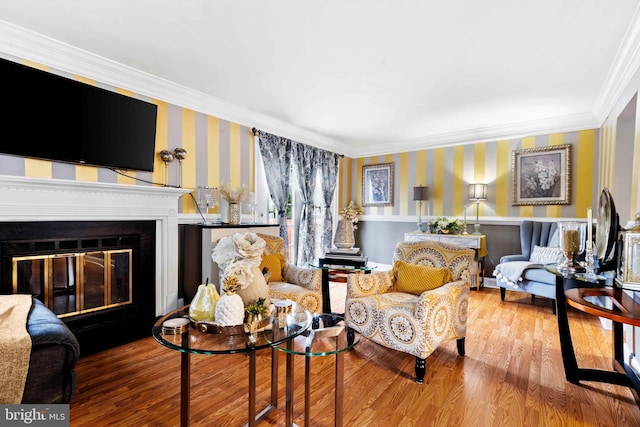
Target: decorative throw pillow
416, 279
554, 241
545, 255
275, 264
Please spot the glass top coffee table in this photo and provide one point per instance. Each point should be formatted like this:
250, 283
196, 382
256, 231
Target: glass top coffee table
327, 336
192, 339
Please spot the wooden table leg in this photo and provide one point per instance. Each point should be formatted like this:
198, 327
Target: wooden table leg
256, 417
185, 385
289, 387
566, 345
307, 390
339, 393
274, 377
252, 388
326, 298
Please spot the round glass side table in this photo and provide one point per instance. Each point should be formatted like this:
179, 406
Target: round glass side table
191, 340
327, 336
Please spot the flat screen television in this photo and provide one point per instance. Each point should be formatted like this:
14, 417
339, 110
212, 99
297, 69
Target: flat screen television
51, 117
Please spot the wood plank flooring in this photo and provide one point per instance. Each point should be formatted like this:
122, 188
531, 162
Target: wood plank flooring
512, 375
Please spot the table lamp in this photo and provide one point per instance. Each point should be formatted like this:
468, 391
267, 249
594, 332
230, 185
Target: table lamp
477, 192
420, 193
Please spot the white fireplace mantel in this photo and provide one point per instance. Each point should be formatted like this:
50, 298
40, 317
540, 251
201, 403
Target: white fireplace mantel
38, 199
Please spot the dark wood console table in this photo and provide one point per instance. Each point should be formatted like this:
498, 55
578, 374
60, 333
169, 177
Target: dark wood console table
576, 291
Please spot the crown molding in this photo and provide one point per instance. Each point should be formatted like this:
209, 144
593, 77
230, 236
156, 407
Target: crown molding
624, 67
25, 44
568, 123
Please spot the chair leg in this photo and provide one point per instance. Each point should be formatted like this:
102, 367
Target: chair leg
503, 293
350, 336
460, 343
421, 369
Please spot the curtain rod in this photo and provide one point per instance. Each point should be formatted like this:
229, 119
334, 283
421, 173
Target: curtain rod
256, 131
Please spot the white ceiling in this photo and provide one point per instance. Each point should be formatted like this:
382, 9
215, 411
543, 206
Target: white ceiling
364, 77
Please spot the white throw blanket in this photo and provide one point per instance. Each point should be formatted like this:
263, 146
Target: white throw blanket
510, 273
15, 346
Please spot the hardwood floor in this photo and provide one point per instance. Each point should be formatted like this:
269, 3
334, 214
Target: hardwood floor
512, 375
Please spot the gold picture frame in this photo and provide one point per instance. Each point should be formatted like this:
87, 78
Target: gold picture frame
377, 185
541, 176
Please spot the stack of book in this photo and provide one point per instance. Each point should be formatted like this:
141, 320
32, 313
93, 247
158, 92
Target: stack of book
341, 255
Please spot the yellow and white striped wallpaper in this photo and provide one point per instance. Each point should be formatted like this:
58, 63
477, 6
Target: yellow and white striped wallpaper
448, 172
222, 151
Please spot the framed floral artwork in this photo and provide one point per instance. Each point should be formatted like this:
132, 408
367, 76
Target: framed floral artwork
377, 185
542, 176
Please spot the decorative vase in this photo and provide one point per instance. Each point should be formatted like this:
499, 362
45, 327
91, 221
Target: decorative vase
253, 322
571, 244
230, 309
234, 212
257, 289
344, 238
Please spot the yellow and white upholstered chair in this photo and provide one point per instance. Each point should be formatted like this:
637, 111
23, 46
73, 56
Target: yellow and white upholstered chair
287, 281
419, 304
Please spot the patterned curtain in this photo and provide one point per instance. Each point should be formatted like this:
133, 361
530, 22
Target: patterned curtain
276, 156
305, 159
329, 166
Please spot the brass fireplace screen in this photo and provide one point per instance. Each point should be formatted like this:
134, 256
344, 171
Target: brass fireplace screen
76, 283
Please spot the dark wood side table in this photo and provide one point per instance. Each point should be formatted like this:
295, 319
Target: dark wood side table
324, 263
579, 293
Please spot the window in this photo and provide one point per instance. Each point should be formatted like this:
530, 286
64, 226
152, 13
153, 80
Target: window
265, 209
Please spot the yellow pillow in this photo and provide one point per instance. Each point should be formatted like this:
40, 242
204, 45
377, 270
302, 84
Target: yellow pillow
416, 279
275, 264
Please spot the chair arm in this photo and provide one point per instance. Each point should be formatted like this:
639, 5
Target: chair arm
509, 258
362, 285
310, 278
454, 290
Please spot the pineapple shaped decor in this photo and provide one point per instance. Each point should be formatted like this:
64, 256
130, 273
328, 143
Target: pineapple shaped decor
230, 308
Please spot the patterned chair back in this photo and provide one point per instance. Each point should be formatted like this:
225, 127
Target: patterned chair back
435, 254
274, 245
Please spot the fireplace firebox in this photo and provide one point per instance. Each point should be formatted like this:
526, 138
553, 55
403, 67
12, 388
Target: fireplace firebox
98, 277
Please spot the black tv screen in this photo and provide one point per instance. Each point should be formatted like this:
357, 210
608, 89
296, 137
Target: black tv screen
55, 118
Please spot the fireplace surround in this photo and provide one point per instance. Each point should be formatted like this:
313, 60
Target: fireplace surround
76, 218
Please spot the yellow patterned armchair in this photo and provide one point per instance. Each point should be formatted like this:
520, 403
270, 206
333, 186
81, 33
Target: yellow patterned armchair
287, 281
413, 321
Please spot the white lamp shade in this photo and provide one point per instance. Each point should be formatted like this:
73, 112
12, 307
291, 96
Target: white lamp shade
478, 191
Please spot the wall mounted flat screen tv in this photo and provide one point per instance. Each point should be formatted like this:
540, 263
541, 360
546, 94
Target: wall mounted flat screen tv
55, 118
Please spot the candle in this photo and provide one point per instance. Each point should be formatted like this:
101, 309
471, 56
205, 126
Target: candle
589, 228
465, 214
570, 241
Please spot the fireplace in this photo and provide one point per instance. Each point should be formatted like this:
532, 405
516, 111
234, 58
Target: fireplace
97, 276
57, 237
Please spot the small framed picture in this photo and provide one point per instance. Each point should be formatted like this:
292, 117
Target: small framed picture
377, 185
542, 176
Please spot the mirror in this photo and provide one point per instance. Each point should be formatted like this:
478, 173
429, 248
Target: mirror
606, 232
